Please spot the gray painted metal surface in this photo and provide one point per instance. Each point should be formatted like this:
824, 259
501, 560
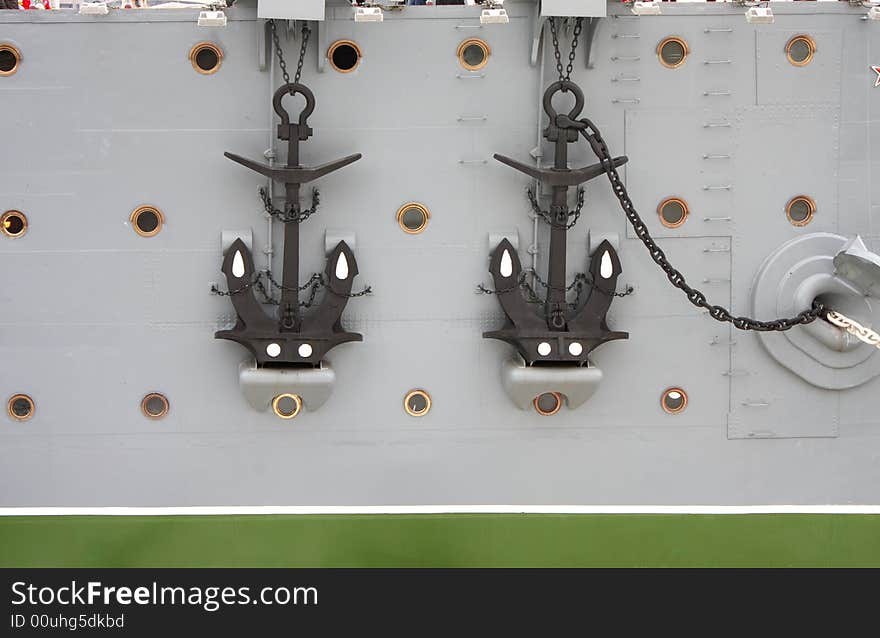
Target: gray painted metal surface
106, 114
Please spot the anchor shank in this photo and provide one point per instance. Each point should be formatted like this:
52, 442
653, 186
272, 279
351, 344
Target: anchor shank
555, 305
289, 309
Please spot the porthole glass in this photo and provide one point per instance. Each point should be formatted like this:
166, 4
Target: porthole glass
344, 56
13, 223
154, 405
413, 218
20, 407
147, 221
286, 406
206, 57
548, 403
417, 403
672, 52
473, 54
10, 58
800, 210
800, 50
673, 212
674, 400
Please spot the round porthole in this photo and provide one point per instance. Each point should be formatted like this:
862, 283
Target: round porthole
672, 52
206, 57
673, 212
147, 221
10, 58
473, 54
800, 210
674, 400
413, 218
800, 50
344, 56
20, 407
548, 403
13, 223
417, 403
286, 406
154, 405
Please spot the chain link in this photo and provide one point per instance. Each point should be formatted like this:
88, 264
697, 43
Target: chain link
547, 217
578, 25
316, 282
306, 31
863, 333
696, 297
581, 282
293, 214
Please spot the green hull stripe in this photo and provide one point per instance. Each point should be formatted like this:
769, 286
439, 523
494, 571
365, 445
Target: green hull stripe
442, 540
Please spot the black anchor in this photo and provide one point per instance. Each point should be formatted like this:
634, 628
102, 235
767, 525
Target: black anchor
291, 338
563, 334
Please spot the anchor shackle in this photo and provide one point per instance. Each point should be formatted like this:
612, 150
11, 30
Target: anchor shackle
563, 121
302, 129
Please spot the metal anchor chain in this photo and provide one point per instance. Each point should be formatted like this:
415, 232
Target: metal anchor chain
578, 25
695, 296
574, 215
306, 31
293, 214
853, 327
581, 282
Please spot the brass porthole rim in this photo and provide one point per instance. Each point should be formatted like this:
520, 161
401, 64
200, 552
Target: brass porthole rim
684, 46
557, 408
670, 200
417, 393
338, 43
137, 212
13, 399
487, 51
406, 207
155, 395
6, 46
285, 415
6, 216
193, 52
666, 393
811, 43
810, 203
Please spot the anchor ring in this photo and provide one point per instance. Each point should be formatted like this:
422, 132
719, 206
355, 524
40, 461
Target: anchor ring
292, 89
563, 86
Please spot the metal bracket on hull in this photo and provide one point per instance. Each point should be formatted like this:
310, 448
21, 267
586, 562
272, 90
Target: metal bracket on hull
538, 34
292, 338
523, 383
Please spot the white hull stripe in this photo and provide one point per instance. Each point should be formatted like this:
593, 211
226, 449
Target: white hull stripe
265, 510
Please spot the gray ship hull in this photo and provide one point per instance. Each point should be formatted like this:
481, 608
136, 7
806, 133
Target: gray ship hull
106, 114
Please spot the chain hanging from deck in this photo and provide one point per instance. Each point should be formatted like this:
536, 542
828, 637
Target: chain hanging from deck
578, 26
306, 32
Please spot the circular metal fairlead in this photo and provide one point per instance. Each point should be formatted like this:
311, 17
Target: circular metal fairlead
795, 275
